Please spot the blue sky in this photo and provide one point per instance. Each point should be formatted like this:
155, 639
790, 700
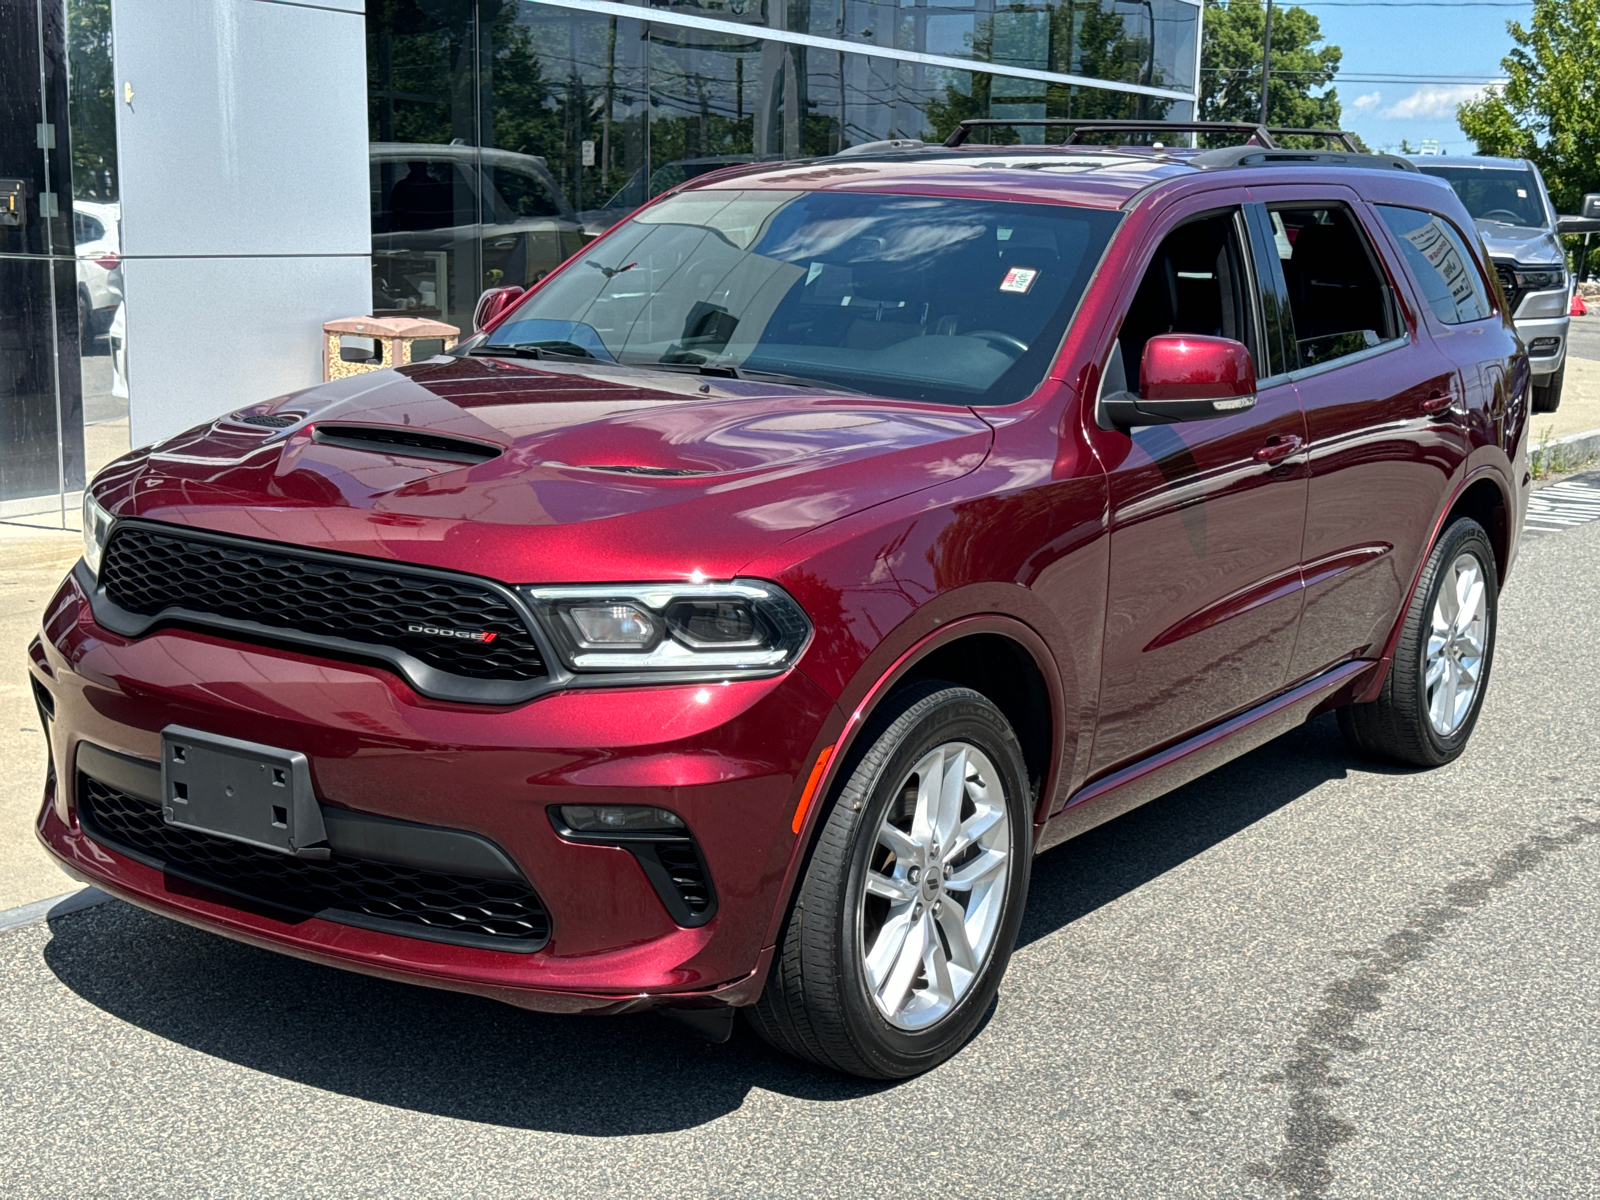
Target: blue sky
1439, 56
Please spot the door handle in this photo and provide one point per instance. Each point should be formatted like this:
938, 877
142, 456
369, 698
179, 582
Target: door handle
1438, 402
1279, 448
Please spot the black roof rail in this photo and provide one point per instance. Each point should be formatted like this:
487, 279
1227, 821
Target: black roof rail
1256, 134
1260, 156
1346, 139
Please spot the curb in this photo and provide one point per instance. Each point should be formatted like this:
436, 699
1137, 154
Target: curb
1574, 445
55, 906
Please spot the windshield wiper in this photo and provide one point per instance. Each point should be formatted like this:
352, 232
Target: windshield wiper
722, 371
533, 350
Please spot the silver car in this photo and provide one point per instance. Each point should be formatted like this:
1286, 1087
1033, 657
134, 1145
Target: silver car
449, 221
1512, 209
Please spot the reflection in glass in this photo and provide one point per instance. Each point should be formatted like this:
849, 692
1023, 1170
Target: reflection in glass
97, 235
537, 128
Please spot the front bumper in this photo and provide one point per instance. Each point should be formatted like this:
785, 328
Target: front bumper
1540, 330
728, 758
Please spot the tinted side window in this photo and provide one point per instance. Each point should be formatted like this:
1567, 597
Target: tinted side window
1441, 264
1197, 283
522, 194
1338, 297
419, 194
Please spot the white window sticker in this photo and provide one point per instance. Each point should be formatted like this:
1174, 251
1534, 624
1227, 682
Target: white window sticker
1018, 279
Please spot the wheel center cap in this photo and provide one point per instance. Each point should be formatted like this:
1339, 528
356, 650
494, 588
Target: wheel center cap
932, 882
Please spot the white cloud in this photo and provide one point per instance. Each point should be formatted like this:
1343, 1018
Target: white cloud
1370, 100
1435, 101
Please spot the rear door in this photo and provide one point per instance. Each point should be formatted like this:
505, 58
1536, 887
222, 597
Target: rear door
1205, 516
1384, 411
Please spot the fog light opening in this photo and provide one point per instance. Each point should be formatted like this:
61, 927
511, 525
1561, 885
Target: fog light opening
619, 818
659, 841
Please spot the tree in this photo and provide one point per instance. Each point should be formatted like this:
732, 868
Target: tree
1084, 37
1230, 65
92, 104
1546, 110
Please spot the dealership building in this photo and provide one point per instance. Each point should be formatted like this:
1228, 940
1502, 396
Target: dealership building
190, 188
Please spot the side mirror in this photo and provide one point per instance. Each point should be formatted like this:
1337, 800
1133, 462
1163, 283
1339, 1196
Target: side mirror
1186, 377
1591, 205
1584, 224
492, 305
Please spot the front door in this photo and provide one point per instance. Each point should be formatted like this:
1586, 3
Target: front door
1205, 516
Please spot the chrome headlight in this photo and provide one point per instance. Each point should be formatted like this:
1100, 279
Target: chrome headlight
743, 627
96, 527
1538, 279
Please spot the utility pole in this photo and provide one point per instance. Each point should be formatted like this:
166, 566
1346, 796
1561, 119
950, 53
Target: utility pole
1266, 62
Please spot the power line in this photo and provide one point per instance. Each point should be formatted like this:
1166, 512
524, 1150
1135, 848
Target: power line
1413, 3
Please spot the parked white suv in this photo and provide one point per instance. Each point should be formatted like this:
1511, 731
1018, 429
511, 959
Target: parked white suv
96, 235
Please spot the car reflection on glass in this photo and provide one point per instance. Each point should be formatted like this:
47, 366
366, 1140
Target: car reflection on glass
639, 189
429, 213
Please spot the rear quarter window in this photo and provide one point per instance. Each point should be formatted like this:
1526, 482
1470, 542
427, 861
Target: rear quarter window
1440, 263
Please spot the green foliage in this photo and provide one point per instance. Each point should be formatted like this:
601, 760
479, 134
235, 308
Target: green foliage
1084, 37
91, 100
1230, 65
1547, 110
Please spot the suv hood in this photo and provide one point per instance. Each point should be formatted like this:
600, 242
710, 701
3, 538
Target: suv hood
1517, 243
603, 472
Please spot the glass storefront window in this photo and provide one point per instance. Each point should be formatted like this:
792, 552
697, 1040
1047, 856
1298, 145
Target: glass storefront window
514, 131
97, 234
49, 297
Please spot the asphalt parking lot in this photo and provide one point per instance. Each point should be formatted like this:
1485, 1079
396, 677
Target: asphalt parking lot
1302, 976
1583, 338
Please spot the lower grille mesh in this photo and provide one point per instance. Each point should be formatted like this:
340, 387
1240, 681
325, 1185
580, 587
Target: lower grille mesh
688, 873
451, 907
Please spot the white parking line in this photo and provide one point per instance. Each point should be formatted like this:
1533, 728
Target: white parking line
1564, 505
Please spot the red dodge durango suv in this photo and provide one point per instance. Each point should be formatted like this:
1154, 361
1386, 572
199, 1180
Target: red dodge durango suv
730, 620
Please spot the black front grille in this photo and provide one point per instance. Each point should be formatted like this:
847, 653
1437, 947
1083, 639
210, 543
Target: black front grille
440, 907
430, 619
1508, 285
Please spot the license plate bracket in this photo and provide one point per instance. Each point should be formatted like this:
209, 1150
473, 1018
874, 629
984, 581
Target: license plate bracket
242, 791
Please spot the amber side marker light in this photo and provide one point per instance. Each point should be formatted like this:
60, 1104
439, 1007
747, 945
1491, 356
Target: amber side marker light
811, 789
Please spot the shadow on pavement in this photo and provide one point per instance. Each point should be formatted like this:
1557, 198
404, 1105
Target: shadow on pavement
477, 1060
1096, 868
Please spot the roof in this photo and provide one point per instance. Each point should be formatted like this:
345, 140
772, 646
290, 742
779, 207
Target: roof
1424, 161
457, 151
1086, 178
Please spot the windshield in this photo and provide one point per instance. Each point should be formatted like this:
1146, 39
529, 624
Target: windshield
922, 298
1507, 195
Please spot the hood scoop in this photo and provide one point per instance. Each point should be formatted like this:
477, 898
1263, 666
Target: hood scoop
413, 443
273, 420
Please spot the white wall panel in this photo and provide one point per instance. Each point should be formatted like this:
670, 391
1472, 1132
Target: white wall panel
209, 335
244, 187
248, 128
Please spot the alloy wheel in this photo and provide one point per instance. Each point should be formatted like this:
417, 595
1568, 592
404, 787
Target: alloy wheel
935, 886
1452, 655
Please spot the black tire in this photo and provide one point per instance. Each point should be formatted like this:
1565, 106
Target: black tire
1547, 396
85, 324
1396, 725
816, 1005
